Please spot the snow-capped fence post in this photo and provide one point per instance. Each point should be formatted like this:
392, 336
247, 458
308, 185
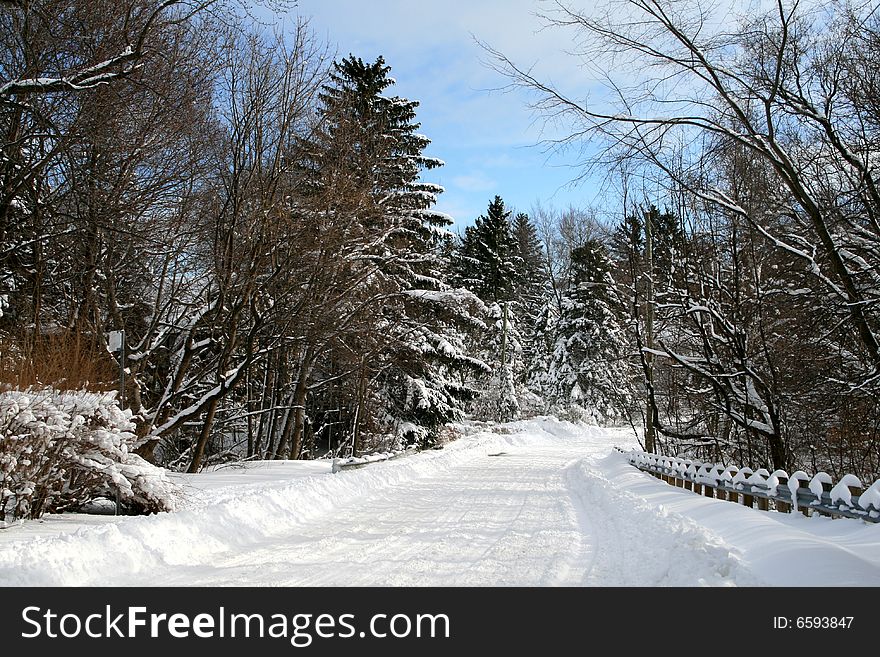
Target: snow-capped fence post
759, 479
740, 482
678, 479
842, 493
778, 479
705, 480
671, 471
855, 489
728, 491
798, 481
820, 486
870, 498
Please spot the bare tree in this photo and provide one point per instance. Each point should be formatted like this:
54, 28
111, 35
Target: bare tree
789, 93
256, 244
766, 87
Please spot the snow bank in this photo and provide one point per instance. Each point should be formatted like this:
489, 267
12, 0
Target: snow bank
778, 549
641, 543
340, 464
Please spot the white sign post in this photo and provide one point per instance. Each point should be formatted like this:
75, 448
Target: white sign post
116, 342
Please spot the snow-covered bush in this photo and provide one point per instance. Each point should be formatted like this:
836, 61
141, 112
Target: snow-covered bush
61, 449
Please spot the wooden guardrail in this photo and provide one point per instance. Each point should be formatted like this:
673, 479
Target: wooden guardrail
351, 463
767, 490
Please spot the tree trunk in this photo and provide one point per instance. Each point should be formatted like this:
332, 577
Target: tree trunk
286, 428
199, 451
299, 416
650, 433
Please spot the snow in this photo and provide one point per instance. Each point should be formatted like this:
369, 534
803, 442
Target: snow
353, 461
759, 477
774, 480
816, 483
794, 483
532, 503
871, 498
743, 476
841, 493
46, 434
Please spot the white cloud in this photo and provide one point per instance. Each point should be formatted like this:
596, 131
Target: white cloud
483, 135
463, 210
432, 50
473, 182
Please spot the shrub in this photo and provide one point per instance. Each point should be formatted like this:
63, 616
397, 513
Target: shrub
61, 449
64, 360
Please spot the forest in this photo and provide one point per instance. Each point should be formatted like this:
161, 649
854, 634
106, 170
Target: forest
220, 232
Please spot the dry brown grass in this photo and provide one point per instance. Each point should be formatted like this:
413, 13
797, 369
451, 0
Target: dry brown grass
66, 361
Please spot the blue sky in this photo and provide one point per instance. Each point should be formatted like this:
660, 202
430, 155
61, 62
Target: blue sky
487, 138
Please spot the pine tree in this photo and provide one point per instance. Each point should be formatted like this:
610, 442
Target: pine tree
628, 243
542, 347
488, 261
531, 295
363, 170
368, 154
532, 274
587, 369
502, 347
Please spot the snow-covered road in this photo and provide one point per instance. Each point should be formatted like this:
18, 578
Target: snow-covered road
546, 503
504, 519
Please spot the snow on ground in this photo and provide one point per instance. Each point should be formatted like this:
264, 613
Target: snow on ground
547, 503
779, 549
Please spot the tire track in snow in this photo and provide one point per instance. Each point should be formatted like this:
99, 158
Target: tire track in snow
489, 521
580, 506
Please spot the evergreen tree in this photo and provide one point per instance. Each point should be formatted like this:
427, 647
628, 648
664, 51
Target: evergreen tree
363, 175
628, 243
587, 367
542, 346
368, 154
532, 275
531, 295
500, 261
488, 261
502, 346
